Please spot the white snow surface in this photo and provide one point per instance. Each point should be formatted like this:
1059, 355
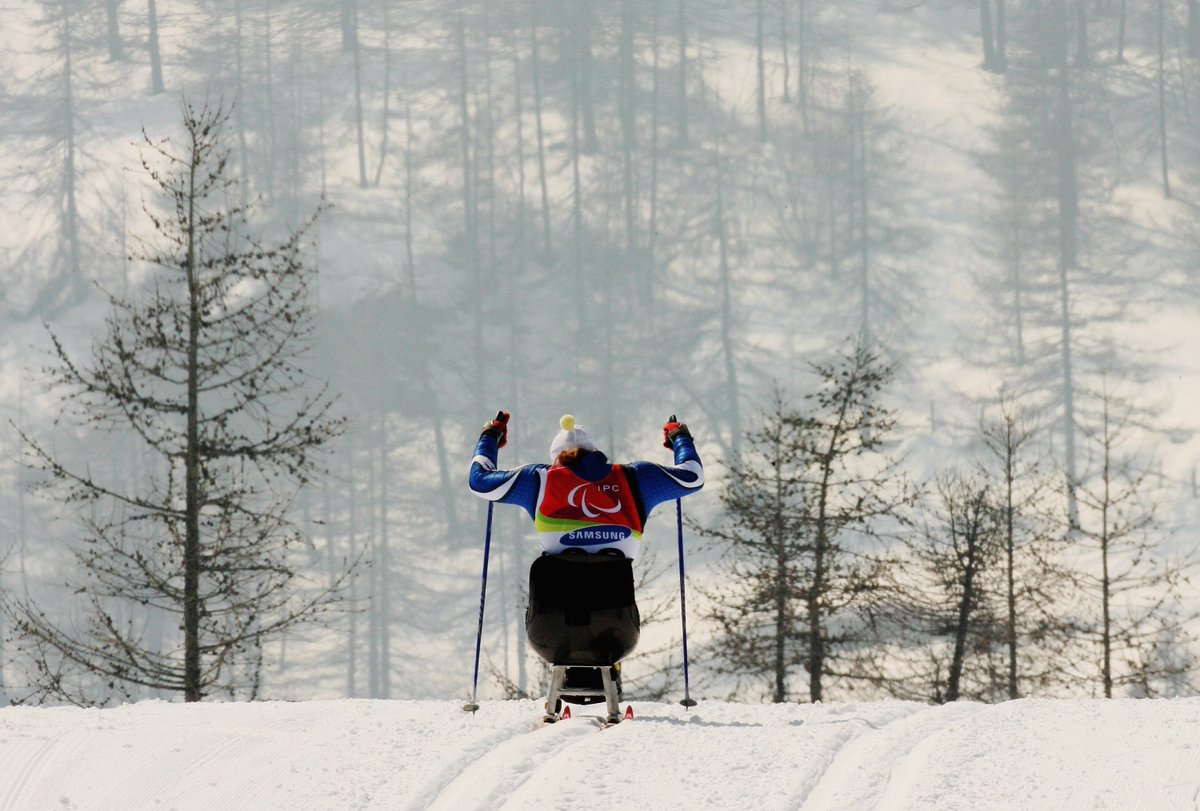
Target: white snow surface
359, 754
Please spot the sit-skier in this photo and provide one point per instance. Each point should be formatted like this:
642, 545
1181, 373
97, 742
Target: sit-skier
589, 515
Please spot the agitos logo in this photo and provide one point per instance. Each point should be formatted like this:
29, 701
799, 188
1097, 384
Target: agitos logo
578, 498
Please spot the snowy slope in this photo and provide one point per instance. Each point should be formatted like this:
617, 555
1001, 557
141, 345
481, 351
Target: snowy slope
1121, 754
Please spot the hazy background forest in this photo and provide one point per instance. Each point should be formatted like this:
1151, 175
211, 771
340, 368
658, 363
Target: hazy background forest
625, 210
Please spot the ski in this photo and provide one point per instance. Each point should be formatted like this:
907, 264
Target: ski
603, 721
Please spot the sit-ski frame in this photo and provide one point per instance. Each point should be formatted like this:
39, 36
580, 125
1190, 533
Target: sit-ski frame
608, 690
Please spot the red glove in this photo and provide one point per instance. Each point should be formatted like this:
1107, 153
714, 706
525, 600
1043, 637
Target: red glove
672, 429
498, 427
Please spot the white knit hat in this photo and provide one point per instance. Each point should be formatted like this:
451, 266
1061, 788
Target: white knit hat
570, 437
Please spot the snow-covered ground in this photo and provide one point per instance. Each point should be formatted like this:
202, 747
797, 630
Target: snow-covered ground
1029, 754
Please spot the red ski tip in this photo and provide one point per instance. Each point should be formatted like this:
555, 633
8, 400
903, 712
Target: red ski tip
629, 713
566, 713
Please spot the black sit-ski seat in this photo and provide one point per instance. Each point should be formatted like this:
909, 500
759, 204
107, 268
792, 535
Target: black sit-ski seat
582, 618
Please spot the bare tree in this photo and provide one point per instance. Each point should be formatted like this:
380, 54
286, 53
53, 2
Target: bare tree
1060, 273
1132, 584
757, 610
841, 203
805, 496
982, 595
48, 273
1032, 579
958, 549
204, 366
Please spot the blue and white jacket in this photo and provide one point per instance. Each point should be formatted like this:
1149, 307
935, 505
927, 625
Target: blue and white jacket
592, 505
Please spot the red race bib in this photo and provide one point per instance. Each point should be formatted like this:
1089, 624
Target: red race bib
587, 513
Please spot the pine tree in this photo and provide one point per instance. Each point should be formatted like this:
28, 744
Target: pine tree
805, 496
203, 365
957, 551
1132, 586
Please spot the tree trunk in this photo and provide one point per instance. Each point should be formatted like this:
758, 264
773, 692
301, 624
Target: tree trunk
448, 488
22, 512
1082, 54
581, 27
156, 75
1068, 215
193, 690
761, 64
470, 209
652, 225
1010, 550
352, 553
782, 623
486, 132
966, 605
802, 57
1105, 576
1162, 100
375, 573
239, 96
728, 355
822, 548
816, 631
410, 263
116, 50
577, 210
1016, 280
519, 119
987, 34
816, 619
536, 69
1193, 28
784, 52
268, 154
385, 116
1121, 33
858, 142
360, 136
70, 223
349, 25
683, 60
1106, 629
1001, 53
628, 127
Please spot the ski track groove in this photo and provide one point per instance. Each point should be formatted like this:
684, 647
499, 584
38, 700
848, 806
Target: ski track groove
492, 779
229, 747
843, 770
813, 795
454, 772
906, 769
24, 775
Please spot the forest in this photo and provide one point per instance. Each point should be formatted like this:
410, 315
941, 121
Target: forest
919, 276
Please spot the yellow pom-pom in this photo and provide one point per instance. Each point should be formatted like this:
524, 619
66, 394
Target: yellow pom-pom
567, 422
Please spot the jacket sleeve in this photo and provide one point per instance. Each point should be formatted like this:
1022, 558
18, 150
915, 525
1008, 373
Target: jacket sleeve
659, 483
519, 486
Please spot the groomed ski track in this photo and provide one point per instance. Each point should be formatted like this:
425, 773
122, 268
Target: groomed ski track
431, 755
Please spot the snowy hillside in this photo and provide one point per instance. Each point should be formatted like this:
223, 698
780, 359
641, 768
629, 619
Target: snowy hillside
624, 211
418, 755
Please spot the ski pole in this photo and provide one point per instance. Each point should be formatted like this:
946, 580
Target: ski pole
487, 548
688, 701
